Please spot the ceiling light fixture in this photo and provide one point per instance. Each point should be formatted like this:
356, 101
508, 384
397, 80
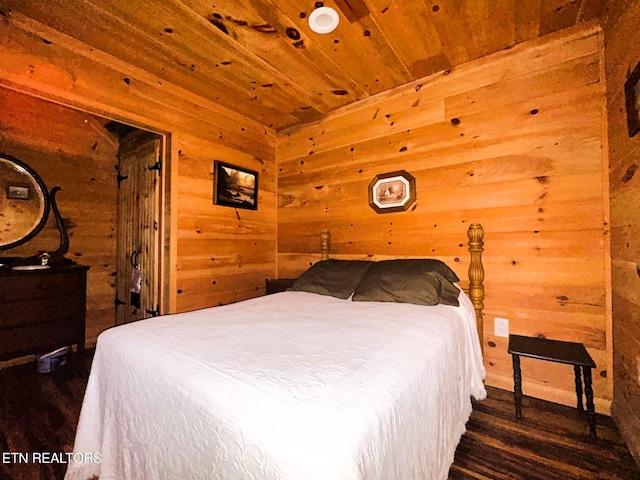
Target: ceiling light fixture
323, 20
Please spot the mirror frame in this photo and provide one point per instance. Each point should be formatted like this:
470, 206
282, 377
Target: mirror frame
45, 195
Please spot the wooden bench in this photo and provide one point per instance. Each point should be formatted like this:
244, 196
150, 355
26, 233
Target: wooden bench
570, 353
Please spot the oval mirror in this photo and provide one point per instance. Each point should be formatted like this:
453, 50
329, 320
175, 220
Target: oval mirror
24, 202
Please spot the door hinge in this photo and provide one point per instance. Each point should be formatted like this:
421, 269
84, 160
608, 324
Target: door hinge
156, 166
119, 177
154, 313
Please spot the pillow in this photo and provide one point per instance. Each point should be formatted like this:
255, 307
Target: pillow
337, 278
385, 282
418, 266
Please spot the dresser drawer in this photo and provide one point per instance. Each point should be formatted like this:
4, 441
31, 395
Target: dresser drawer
37, 285
13, 314
42, 310
31, 339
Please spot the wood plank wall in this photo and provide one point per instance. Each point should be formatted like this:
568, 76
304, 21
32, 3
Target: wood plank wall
224, 254
622, 54
513, 141
72, 150
217, 254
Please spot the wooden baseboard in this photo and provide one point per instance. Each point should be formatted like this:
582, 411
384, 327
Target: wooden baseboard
536, 390
629, 426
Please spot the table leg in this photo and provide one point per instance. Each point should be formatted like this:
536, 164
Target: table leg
517, 385
576, 369
591, 410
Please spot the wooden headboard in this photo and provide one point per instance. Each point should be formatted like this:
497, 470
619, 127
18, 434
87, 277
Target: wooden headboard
475, 288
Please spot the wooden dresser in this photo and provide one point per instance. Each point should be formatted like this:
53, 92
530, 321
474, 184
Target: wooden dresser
41, 310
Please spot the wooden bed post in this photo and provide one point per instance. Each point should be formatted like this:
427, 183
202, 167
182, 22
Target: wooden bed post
325, 243
476, 275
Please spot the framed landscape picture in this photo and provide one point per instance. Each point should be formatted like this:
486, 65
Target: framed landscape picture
18, 193
234, 186
632, 99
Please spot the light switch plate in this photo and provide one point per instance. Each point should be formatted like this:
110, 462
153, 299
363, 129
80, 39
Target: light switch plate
501, 327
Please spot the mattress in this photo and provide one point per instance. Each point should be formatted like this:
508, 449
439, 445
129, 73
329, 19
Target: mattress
287, 386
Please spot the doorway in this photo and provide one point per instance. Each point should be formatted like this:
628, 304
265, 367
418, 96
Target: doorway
139, 172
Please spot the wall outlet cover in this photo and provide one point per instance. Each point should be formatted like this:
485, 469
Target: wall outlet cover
501, 327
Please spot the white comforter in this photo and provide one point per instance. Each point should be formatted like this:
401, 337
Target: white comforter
292, 386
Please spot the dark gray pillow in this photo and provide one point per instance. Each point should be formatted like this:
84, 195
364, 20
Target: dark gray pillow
417, 266
382, 284
337, 278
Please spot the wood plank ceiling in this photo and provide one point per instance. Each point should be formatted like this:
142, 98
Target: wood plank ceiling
261, 59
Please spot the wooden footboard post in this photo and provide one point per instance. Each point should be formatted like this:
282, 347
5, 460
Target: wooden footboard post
476, 275
325, 243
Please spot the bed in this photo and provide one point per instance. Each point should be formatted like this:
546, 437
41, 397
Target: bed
295, 385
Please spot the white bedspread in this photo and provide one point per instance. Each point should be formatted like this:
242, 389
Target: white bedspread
292, 386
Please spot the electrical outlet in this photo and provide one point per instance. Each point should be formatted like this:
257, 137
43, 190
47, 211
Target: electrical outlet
501, 327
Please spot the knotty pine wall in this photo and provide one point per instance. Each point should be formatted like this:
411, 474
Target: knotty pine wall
224, 254
72, 150
513, 141
213, 254
622, 54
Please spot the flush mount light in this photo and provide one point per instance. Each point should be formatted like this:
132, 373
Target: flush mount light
323, 20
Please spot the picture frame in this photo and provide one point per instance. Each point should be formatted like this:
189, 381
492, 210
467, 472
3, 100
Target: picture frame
234, 186
632, 100
17, 193
392, 192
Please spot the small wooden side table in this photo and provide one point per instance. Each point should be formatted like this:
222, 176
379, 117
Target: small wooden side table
570, 353
277, 285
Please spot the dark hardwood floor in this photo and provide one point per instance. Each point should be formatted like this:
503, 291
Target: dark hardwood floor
550, 442
39, 413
